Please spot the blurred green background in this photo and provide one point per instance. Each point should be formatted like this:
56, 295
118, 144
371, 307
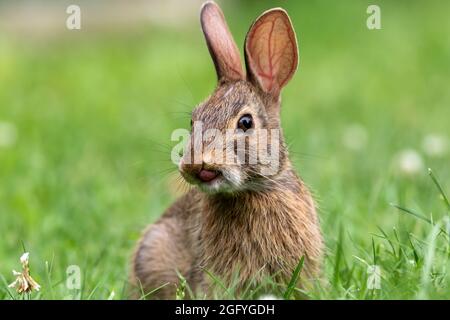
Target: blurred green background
86, 118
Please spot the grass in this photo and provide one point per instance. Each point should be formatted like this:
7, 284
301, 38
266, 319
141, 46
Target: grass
93, 114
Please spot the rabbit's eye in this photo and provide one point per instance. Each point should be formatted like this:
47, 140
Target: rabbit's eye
245, 122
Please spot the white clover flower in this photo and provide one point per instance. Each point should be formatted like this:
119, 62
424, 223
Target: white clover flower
355, 137
24, 258
434, 145
8, 134
409, 162
112, 295
24, 283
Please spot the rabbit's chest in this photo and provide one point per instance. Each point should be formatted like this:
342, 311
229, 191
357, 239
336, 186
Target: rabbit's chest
258, 236
252, 248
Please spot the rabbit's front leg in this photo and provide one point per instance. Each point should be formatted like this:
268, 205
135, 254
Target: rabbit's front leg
160, 254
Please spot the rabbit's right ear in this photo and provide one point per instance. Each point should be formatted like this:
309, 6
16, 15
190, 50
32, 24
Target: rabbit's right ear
221, 45
271, 52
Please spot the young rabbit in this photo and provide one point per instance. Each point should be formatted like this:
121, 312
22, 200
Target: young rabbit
239, 223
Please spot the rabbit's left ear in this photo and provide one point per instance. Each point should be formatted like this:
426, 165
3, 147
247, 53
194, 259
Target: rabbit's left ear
271, 52
221, 45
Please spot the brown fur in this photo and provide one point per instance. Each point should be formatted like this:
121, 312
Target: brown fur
258, 228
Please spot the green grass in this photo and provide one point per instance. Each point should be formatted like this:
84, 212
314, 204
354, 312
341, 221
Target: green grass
94, 113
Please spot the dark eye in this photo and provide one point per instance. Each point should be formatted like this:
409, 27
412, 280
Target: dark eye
245, 122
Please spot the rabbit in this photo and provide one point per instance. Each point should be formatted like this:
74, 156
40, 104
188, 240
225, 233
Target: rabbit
236, 223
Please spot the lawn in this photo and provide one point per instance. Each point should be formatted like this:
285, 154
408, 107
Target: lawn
86, 119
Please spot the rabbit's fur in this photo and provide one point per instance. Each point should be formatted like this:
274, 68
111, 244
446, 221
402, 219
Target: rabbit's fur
242, 225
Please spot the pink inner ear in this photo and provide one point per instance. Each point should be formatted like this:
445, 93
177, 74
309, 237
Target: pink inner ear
220, 42
272, 51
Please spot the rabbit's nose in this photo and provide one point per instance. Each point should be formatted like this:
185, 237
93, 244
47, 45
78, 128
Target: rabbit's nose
207, 175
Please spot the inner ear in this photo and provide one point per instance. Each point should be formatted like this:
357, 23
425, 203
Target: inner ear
271, 53
221, 45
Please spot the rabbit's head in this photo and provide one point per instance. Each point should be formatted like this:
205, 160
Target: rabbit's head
236, 143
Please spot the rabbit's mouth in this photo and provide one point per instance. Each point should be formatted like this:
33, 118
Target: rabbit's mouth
211, 178
226, 180
208, 175
211, 181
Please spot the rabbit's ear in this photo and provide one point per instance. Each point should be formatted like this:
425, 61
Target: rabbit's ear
221, 45
271, 52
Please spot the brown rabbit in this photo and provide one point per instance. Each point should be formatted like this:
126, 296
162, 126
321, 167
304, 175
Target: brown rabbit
240, 223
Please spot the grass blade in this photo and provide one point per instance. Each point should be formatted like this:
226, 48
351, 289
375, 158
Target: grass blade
337, 262
153, 291
416, 256
218, 281
374, 252
438, 185
417, 215
387, 239
294, 279
7, 288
